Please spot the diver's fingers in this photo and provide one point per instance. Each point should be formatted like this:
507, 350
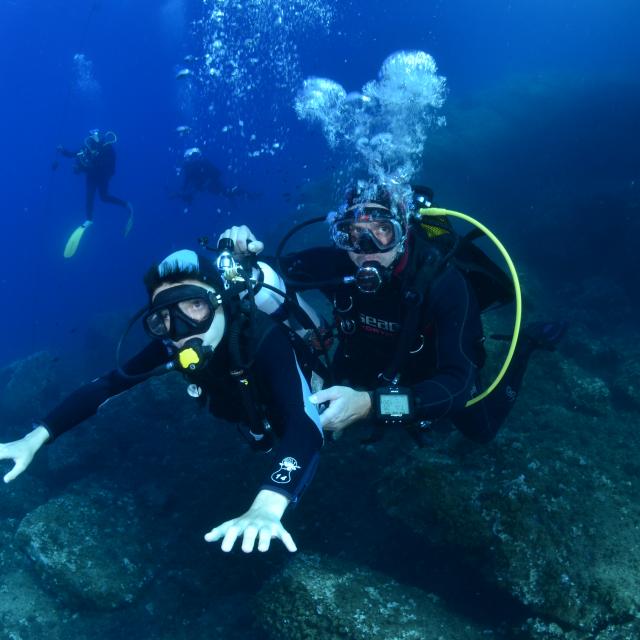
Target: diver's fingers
287, 540
243, 238
240, 236
255, 246
18, 468
249, 538
329, 418
265, 539
217, 532
275, 531
231, 233
230, 538
328, 394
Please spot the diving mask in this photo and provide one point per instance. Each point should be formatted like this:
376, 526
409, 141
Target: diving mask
370, 229
180, 312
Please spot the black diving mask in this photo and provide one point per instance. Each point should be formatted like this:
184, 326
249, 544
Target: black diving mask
367, 228
181, 312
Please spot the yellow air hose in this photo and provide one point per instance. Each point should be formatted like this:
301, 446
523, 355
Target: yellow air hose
433, 211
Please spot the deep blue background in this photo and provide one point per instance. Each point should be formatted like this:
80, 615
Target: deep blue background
574, 143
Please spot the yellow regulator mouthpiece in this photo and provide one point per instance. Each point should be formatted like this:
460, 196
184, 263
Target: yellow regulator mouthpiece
188, 358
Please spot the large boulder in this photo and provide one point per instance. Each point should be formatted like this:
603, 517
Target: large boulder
625, 388
28, 613
28, 387
550, 507
21, 495
536, 629
89, 547
323, 598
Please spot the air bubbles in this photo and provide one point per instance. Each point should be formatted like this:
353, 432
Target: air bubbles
85, 80
381, 130
249, 63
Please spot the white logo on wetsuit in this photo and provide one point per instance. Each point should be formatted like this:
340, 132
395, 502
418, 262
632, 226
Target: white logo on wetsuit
287, 467
378, 323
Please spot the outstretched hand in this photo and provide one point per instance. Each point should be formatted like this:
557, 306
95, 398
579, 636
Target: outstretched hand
243, 240
261, 522
346, 406
22, 451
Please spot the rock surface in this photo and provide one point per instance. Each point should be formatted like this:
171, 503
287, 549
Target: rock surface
316, 597
89, 548
549, 507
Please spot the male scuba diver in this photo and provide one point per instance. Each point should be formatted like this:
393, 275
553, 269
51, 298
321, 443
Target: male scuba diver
203, 322
410, 338
97, 160
200, 175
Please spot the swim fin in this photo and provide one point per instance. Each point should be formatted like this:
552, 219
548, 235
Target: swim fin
541, 335
129, 224
74, 239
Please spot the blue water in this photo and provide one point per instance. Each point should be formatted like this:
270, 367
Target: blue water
541, 144
577, 137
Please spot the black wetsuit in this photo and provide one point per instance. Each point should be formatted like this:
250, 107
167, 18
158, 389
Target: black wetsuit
280, 387
99, 165
446, 356
200, 175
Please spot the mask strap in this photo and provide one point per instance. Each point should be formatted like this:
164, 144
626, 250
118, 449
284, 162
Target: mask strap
367, 205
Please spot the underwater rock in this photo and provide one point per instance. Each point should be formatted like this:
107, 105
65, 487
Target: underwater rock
536, 629
28, 613
549, 509
28, 387
586, 393
625, 387
327, 599
22, 495
589, 351
89, 548
595, 295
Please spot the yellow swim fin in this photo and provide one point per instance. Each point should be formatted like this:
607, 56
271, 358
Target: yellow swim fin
74, 240
129, 221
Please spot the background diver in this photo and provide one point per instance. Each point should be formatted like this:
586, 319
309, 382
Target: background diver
410, 337
97, 160
241, 364
200, 175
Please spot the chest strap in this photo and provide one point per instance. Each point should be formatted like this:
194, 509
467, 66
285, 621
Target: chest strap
413, 297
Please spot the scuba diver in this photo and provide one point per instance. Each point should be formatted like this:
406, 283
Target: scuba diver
200, 175
203, 322
97, 160
407, 294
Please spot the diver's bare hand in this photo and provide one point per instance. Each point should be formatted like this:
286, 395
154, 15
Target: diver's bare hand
346, 406
22, 451
243, 240
261, 522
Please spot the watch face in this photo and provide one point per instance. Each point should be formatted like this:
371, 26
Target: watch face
394, 404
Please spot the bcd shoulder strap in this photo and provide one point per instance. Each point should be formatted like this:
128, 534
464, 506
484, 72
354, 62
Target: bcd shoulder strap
431, 262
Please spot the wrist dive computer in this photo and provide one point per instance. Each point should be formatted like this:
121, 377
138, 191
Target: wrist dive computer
393, 405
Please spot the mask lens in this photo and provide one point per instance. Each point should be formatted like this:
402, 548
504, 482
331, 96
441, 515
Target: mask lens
158, 323
376, 236
196, 309
177, 313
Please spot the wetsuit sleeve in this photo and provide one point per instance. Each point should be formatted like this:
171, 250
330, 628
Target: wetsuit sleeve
456, 321
85, 401
68, 153
321, 264
293, 418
